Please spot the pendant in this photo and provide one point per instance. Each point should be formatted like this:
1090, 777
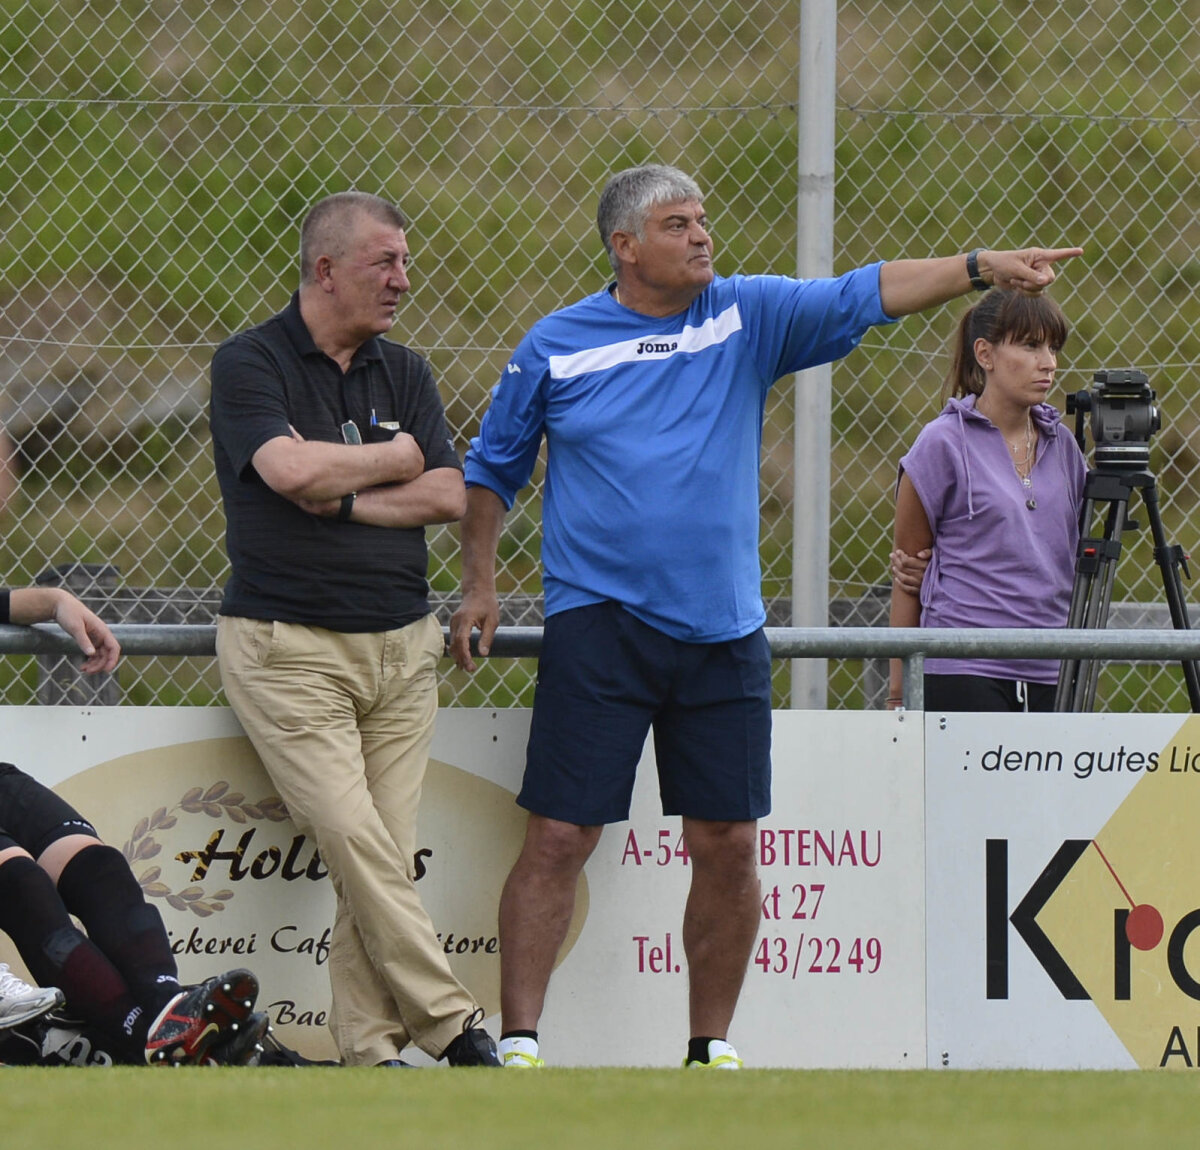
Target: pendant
1031, 503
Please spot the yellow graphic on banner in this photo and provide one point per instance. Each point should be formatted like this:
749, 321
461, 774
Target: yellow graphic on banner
1125, 918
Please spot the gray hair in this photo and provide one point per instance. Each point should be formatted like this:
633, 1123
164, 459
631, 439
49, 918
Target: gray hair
629, 196
328, 227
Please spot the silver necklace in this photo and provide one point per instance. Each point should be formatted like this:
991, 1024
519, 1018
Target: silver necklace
1024, 468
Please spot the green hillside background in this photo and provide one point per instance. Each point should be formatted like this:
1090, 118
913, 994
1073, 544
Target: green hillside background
156, 161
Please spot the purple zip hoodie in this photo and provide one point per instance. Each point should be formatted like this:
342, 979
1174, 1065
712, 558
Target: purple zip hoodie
997, 562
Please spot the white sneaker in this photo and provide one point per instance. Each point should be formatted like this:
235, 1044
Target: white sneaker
19, 1002
721, 1056
519, 1054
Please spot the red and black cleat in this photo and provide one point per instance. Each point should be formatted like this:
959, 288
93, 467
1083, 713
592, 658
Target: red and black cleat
197, 1018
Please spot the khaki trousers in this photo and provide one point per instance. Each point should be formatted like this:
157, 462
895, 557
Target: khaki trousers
343, 723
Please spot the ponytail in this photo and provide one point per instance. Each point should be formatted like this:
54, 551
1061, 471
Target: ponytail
1000, 316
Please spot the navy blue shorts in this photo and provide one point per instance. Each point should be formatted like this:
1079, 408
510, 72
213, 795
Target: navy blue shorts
32, 816
605, 679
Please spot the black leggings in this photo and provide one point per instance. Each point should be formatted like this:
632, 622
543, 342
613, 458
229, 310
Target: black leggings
118, 975
979, 693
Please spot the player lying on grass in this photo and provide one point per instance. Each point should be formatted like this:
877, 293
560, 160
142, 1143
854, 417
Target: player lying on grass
118, 974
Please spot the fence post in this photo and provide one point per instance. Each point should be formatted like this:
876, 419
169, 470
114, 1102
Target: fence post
813, 404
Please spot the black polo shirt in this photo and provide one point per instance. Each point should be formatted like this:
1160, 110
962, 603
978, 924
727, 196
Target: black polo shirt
289, 565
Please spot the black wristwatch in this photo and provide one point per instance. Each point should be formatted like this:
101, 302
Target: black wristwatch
977, 281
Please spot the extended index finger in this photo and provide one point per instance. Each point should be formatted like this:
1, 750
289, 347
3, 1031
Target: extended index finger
1053, 255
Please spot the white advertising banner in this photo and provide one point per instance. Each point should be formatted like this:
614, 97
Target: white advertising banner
836, 978
1063, 897
838, 973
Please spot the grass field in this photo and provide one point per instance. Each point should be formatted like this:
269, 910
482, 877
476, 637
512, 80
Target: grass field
589, 1109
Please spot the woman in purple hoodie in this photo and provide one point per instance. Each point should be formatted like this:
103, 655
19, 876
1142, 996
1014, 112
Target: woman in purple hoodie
993, 486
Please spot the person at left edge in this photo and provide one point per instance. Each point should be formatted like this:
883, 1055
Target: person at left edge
117, 975
332, 455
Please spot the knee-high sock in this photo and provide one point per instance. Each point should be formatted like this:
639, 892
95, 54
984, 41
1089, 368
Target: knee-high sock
58, 954
98, 887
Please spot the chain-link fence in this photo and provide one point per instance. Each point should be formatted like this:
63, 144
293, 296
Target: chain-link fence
157, 160
1003, 124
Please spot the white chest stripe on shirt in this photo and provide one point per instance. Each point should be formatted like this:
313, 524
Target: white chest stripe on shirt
650, 347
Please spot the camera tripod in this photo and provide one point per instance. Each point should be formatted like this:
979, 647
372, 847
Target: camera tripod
1095, 570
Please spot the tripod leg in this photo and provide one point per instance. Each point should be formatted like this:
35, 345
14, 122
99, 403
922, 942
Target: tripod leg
1169, 560
1091, 599
1086, 567
1099, 617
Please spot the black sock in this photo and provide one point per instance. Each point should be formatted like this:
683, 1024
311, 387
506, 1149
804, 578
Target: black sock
58, 954
698, 1049
519, 1034
98, 887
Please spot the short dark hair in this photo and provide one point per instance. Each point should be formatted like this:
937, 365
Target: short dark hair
327, 226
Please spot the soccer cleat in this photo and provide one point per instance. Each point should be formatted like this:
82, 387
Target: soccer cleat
519, 1054
197, 1018
243, 1046
474, 1046
276, 1054
721, 1056
20, 1002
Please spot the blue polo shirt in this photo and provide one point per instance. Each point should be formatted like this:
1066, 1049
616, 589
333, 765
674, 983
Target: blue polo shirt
653, 430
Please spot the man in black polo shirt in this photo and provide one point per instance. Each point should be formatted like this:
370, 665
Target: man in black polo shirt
332, 454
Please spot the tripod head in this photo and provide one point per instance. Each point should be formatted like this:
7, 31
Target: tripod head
1124, 417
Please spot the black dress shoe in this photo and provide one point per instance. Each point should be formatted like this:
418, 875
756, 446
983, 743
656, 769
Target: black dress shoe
473, 1047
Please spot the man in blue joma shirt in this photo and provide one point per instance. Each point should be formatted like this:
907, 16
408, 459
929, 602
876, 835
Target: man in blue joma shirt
650, 396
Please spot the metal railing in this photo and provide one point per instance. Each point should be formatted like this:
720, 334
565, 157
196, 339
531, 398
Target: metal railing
912, 645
